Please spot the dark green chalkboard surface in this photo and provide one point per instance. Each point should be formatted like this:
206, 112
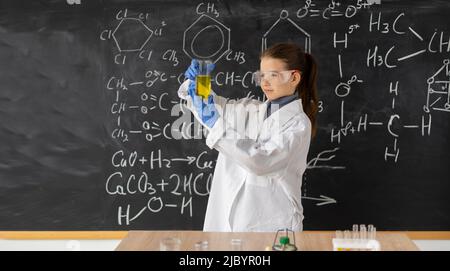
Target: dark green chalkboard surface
90, 121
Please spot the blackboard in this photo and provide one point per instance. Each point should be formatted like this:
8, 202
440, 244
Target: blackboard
88, 102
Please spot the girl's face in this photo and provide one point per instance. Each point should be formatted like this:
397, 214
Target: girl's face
276, 81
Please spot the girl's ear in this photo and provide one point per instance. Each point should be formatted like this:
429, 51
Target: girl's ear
297, 77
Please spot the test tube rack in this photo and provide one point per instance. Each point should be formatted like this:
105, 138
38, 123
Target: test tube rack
361, 239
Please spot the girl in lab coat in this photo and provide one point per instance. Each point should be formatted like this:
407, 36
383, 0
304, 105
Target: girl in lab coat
262, 146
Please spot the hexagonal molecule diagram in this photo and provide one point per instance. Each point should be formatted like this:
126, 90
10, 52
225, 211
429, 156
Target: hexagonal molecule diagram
206, 38
286, 30
131, 35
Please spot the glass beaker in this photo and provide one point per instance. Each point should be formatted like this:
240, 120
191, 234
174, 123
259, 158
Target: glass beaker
203, 79
236, 244
170, 244
201, 246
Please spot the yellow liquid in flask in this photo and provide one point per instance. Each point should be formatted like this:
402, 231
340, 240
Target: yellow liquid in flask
203, 85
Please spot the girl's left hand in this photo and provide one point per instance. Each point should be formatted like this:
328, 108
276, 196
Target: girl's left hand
207, 111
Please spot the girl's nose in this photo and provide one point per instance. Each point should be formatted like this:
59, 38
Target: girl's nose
265, 82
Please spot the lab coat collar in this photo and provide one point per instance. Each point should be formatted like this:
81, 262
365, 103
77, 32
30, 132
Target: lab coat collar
280, 102
283, 114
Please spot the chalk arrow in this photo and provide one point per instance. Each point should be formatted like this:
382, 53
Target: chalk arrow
323, 200
189, 159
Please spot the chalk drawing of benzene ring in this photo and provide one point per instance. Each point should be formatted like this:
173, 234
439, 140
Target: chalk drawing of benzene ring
192, 36
284, 16
136, 44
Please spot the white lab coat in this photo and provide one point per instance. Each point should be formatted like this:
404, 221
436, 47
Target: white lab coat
258, 175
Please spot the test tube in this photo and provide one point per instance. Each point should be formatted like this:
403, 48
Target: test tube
355, 233
372, 231
363, 231
203, 79
339, 235
347, 234
369, 231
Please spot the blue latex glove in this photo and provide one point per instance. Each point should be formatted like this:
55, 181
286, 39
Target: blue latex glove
206, 110
194, 69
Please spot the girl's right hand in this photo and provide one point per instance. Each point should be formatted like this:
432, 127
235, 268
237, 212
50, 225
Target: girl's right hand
193, 70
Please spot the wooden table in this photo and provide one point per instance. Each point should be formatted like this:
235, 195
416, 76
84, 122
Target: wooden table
305, 241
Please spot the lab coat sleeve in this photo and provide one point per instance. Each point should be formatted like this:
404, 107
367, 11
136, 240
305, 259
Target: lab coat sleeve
183, 94
257, 156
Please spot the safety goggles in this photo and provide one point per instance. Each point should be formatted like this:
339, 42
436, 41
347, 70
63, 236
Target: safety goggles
273, 77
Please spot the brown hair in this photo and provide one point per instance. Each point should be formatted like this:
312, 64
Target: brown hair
296, 59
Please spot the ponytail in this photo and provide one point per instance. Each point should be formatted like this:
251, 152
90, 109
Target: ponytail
307, 91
